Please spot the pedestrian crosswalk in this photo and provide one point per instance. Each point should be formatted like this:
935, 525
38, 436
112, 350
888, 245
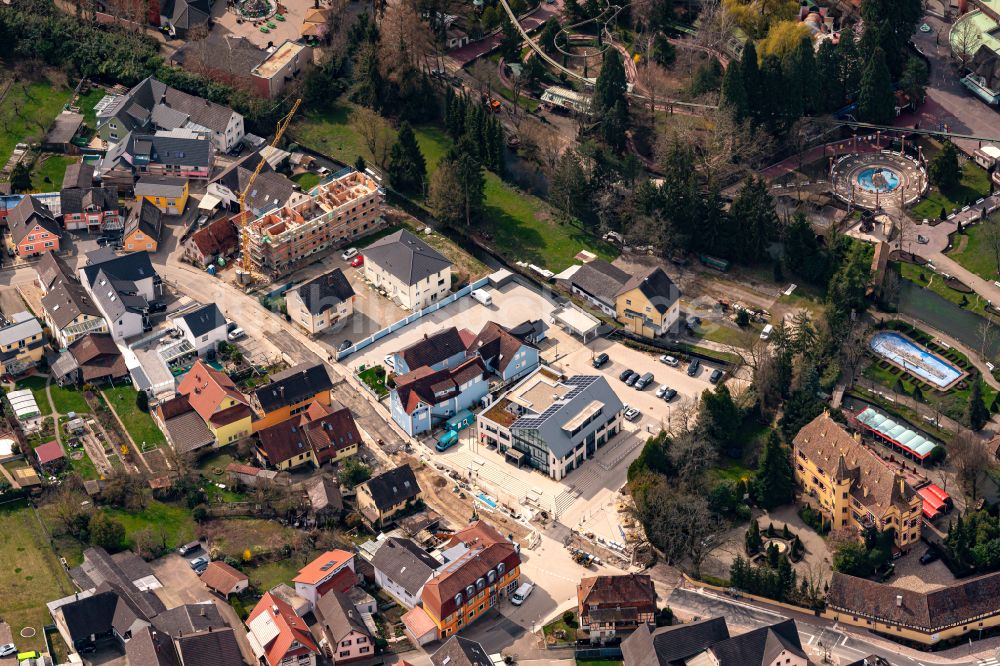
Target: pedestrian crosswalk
989, 661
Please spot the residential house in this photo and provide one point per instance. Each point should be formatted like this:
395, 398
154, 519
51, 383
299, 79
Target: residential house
179, 17
609, 607
204, 647
290, 392
708, 642
78, 175
401, 569
278, 636
218, 240
387, 494
204, 328
252, 477
222, 57
168, 193
184, 427
459, 651
223, 579
410, 271
439, 351
647, 304
91, 359
958, 612
345, 636
152, 105
22, 344
505, 355
425, 398
50, 456
325, 500
122, 286
532, 331
851, 485
331, 571
70, 311
33, 228
480, 569
178, 154
288, 62
321, 434
143, 228
270, 190
93, 209
220, 404
322, 304
551, 422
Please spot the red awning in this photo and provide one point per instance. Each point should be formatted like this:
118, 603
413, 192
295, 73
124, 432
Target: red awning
931, 500
939, 493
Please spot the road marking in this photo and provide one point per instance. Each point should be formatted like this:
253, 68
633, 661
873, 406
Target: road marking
991, 661
738, 603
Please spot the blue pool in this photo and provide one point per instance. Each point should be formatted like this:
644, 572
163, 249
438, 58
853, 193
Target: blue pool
914, 359
878, 179
486, 500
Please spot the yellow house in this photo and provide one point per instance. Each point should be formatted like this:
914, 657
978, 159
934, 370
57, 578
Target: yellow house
168, 193
648, 304
318, 435
854, 487
143, 228
22, 344
290, 392
220, 404
382, 497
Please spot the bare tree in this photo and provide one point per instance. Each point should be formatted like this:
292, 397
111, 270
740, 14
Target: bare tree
484, 72
987, 336
692, 456
853, 351
405, 39
971, 459
965, 41
376, 132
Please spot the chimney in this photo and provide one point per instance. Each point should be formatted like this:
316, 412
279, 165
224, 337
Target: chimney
899, 600
201, 612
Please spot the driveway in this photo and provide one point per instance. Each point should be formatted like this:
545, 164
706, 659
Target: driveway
182, 586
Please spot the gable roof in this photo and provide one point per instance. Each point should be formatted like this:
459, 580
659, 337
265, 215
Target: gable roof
292, 386
600, 279
211, 647
52, 267
98, 357
325, 291
339, 617
158, 149
121, 268
431, 387
461, 651
78, 174
324, 493
320, 429
392, 487
270, 190
205, 319
189, 618
144, 216
156, 185
672, 646
496, 346
218, 238
150, 647
627, 590
406, 257
48, 452
276, 627
759, 647
201, 111
656, 286
206, 388
68, 299
433, 349
220, 51
185, 427
29, 212
405, 563
77, 200
316, 571
221, 577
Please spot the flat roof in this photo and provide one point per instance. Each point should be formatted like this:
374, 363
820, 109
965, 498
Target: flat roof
986, 30
281, 57
591, 408
538, 392
578, 320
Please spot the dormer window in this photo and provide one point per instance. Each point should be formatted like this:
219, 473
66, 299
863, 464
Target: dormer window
458, 599
500, 569
470, 591
491, 576
480, 584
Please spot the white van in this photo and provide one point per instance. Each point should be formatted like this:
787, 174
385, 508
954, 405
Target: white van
766, 332
522, 593
482, 297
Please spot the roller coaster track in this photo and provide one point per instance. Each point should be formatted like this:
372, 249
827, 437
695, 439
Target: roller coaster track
922, 132
607, 16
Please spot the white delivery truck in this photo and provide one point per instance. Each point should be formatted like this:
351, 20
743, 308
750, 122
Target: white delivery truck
482, 297
521, 594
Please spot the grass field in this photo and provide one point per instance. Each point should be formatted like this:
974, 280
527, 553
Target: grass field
306, 180
374, 378
37, 386
66, 400
936, 283
976, 253
173, 520
86, 104
140, 425
975, 184
27, 111
524, 227
30, 576
47, 174
268, 575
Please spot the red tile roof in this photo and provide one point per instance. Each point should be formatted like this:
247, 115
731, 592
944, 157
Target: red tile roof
321, 429
218, 238
314, 572
206, 388
48, 452
290, 627
221, 577
422, 384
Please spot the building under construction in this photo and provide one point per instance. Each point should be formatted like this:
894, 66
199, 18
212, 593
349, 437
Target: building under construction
338, 211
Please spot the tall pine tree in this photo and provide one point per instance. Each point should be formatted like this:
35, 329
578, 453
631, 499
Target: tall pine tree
750, 73
733, 95
875, 100
775, 481
407, 168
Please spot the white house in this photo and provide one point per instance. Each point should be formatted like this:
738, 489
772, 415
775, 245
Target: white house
122, 287
204, 328
411, 272
401, 569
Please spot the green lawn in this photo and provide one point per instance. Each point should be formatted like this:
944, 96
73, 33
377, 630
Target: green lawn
66, 400
523, 227
26, 113
86, 104
48, 171
731, 470
306, 180
268, 575
172, 520
30, 576
557, 625
140, 425
84, 466
37, 386
976, 254
374, 378
975, 184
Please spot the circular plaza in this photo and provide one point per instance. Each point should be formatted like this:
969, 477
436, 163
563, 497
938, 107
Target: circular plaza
878, 180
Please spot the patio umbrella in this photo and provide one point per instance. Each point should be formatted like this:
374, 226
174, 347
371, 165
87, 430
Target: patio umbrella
313, 30
316, 16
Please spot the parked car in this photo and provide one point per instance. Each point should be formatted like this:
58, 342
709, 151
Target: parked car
670, 394
199, 563
345, 345
600, 360
349, 253
236, 334
157, 306
231, 326
669, 360
358, 261
922, 240
625, 374
521, 594
7, 649
930, 556
661, 390
189, 548
644, 381
716, 376
631, 414
694, 367
632, 379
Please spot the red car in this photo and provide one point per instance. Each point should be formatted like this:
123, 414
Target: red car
358, 261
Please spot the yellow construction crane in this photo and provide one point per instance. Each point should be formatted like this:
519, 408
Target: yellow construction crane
245, 215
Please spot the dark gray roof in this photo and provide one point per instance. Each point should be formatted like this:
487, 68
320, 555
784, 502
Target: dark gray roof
67, 300
152, 648
90, 615
459, 651
600, 279
405, 563
99, 568
78, 174
78, 200
64, 128
292, 386
160, 149
220, 52
207, 114
432, 349
325, 292
205, 319
406, 257
189, 618
393, 487
131, 565
145, 217
339, 616
132, 267
671, 646
759, 647
52, 267
212, 647
164, 186
324, 493
656, 286
188, 431
28, 212
186, 14
270, 190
